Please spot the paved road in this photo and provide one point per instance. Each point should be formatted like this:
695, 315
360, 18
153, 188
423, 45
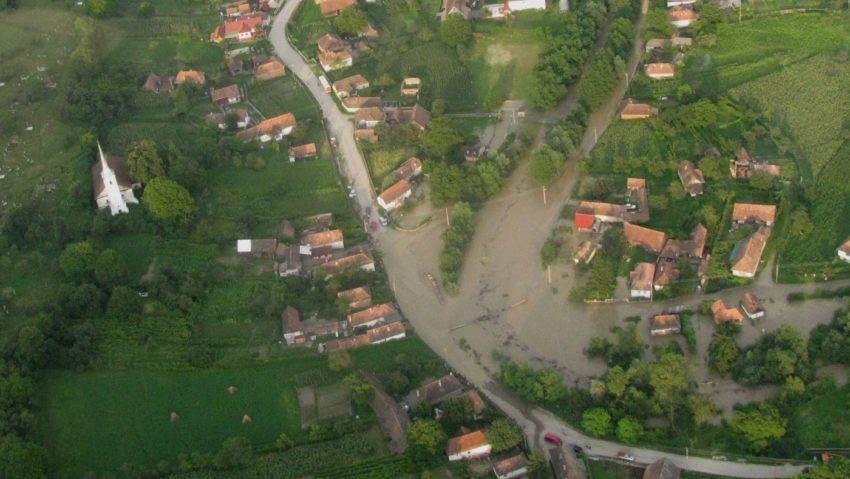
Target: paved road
339, 125
504, 303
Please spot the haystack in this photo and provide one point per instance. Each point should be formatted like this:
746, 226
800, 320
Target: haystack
231, 390
246, 419
174, 417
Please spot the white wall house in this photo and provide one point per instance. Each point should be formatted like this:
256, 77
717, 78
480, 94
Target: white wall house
111, 184
497, 10
844, 252
468, 446
676, 3
394, 196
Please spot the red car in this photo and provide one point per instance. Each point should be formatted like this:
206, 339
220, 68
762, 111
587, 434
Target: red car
549, 437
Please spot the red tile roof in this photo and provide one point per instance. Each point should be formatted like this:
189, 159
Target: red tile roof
748, 254
649, 239
322, 238
361, 317
660, 69
394, 192
748, 213
643, 275
724, 314
467, 442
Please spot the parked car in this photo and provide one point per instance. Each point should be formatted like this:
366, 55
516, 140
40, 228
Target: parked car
551, 438
624, 456
384, 220
576, 448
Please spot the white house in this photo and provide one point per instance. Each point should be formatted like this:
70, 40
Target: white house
497, 10
394, 196
271, 129
371, 317
468, 446
676, 3
111, 184
641, 279
844, 252
292, 327
332, 238
752, 307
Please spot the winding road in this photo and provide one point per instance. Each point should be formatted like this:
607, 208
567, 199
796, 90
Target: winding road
508, 304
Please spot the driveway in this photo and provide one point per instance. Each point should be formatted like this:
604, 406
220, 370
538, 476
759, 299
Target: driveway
339, 125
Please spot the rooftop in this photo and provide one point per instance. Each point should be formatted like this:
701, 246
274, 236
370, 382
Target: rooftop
467, 442
370, 314
642, 277
322, 238
395, 191
749, 213
649, 239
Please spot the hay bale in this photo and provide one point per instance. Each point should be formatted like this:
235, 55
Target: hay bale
174, 417
231, 390
246, 419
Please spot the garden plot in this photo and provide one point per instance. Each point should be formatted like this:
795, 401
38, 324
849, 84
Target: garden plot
323, 403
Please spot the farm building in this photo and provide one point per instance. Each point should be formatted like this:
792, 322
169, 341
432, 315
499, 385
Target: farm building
641, 279
746, 255
415, 115
348, 86
648, 239
269, 69
271, 129
637, 111
226, 96
410, 168
111, 183
358, 260
331, 61
394, 196
434, 391
302, 151
660, 71
291, 327
692, 178
354, 103
682, 16
332, 238
410, 86
243, 118
586, 252
665, 324
331, 8
368, 117
468, 446
746, 213
512, 467
665, 275
370, 317
356, 298
752, 307
724, 314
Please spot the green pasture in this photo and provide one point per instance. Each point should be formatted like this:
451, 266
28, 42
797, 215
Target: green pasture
99, 420
824, 422
502, 64
382, 159
282, 95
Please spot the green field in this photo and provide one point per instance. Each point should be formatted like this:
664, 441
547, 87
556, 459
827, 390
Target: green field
99, 420
825, 420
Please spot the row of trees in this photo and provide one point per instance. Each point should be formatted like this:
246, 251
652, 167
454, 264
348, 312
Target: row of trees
560, 143
609, 64
777, 355
454, 243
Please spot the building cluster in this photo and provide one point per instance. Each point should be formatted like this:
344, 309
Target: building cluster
240, 22
749, 307
394, 196
503, 9
665, 53
743, 166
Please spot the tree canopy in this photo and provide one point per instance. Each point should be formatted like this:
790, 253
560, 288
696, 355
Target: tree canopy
144, 161
455, 31
351, 21
168, 201
503, 435
442, 137
760, 425
428, 435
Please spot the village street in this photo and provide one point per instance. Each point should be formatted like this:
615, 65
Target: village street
507, 304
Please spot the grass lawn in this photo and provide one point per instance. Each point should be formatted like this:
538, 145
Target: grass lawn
99, 420
281, 95
612, 470
825, 420
382, 159
502, 64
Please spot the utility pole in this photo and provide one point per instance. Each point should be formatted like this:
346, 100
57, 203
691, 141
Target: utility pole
544, 196
595, 136
549, 273
448, 222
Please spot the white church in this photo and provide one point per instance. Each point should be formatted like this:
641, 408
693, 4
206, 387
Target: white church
111, 184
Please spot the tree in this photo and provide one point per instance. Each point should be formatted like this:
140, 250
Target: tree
144, 162
168, 201
361, 391
77, 261
596, 421
351, 21
722, 353
538, 466
442, 137
455, 31
616, 381
145, 9
545, 166
98, 8
763, 180
629, 430
549, 386
711, 168
669, 379
428, 435
503, 435
110, 270
234, 452
124, 302
702, 408
447, 185
339, 361
760, 424
19, 458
